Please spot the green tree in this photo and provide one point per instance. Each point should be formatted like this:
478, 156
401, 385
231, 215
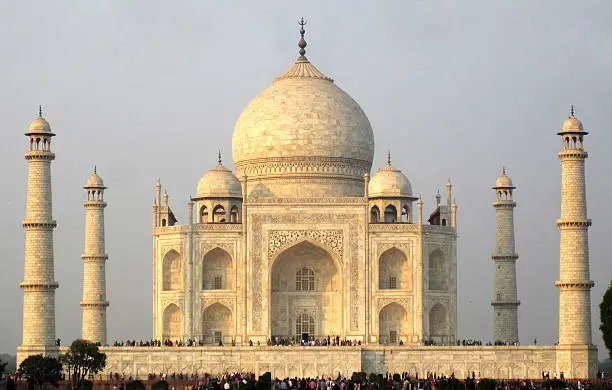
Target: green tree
39, 370
2, 367
605, 313
83, 358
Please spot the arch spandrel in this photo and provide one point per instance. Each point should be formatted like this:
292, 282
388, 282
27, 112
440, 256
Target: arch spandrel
228, 247
331, 241
229, 303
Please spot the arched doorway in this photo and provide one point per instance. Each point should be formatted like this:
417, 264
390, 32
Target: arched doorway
394, 324
394, 270
438, 271
305, 293
438, 324
172, 323
217, 325
374, 215
171, 271
217, 270
390, 214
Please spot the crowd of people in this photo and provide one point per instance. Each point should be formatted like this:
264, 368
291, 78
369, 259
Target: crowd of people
312, 341
289, 341
275, 341
358, 381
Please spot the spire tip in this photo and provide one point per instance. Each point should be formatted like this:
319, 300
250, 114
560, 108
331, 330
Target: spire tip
302, 42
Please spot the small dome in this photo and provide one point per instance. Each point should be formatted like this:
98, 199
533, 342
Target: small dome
572, 125
390, 182
94, 181
39, 125
504, 180
219, 182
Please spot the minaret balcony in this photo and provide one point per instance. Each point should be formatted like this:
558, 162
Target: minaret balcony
39, 286
505, 303
95, 304
29, 224
39, 155
574, 285
573, 223
568, 154
95, 204
513, 257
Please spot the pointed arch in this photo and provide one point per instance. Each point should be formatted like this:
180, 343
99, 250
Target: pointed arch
321, 273
172, 271
374, 214
438, 323
204, 214
438, 271
394, 271
217, 324
390, 214
394, 324
217, 270
172, 323
218, 214
406, 216
234, 214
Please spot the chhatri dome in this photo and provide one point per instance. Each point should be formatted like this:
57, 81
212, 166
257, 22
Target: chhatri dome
389, 182
305, 131
572, 124
219, 182
504, 181
94, 181
40, 125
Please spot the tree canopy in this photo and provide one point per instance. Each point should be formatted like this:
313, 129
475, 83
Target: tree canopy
39, 370
83, 358
2, 367
605, 313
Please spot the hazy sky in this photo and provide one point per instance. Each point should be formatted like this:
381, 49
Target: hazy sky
454, 88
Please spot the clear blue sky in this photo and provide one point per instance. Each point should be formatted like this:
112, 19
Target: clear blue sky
454, 88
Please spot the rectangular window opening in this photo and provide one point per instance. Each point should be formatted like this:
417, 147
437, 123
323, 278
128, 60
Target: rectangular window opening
217, 283
393, 337
393, 282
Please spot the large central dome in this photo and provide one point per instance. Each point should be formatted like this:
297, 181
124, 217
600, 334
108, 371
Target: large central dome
303, 136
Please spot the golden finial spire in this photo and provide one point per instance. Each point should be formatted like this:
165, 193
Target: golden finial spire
389, 158
503, 171
40, 111
95, 173
219, 158
571, 110
302, 43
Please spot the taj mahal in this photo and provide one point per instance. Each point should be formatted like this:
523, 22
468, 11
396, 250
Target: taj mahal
300, 241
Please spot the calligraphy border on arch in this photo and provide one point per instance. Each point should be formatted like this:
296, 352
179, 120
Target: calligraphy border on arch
355, 228
279, 240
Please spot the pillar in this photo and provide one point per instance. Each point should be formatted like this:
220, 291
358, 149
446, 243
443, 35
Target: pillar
38, 335
94, 303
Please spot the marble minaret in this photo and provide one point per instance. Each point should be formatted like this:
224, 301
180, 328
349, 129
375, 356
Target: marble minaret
39, 281
505, 303
574, 278
94, 257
